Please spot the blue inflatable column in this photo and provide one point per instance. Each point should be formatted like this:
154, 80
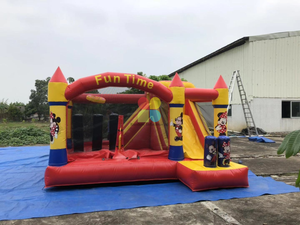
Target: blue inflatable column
224, 151
210, 151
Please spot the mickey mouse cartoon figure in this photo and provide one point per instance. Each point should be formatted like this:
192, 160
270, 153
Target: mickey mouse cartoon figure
178, 127
226, 153
54, 128
221, 127
212, 155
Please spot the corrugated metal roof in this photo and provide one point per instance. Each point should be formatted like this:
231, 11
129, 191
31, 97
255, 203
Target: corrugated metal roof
221, 50
274, 36
112, 90
237, 43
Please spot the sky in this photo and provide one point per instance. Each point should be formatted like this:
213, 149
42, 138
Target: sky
156, 37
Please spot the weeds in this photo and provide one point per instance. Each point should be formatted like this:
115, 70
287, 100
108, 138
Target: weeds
23, 136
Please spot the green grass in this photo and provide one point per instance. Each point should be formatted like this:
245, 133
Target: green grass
42, 125
24, 133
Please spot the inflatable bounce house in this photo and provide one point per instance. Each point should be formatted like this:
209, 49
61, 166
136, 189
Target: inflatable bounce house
166, 138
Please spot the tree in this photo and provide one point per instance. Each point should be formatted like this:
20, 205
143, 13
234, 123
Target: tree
39, 99
134, 90
70, 80
162, 77
93, 91
152, 77
3, 109
159, 78
15, 111
291, 146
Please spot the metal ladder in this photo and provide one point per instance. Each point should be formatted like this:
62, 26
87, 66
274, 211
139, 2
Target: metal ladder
246, 108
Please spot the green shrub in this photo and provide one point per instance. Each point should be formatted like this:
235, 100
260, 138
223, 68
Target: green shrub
291, 147
23, 136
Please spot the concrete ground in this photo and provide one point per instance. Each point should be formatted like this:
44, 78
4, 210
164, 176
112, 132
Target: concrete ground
261, 158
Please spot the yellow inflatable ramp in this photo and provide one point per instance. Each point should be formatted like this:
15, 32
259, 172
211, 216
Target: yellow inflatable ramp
191, 145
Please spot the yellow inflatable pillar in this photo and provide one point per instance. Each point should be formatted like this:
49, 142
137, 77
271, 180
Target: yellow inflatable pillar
69, 125
176, 119
58, 119
220, 108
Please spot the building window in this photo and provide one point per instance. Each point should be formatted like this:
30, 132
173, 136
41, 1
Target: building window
295, 109
229, 113
290, 109
286, 109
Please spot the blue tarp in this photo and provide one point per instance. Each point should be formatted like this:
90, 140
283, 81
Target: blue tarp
261, 139
22, 193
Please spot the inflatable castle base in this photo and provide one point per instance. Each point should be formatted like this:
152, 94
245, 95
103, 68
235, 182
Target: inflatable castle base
166, 138
107, 167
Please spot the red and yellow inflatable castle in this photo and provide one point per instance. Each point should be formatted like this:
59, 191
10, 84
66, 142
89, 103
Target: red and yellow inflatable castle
149, 145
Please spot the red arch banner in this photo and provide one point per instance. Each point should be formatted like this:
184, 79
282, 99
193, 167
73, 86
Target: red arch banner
109, 79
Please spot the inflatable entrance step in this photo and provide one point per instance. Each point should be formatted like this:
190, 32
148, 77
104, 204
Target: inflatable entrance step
198, 178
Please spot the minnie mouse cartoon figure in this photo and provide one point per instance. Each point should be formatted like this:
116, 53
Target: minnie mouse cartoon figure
226, 154
54, 128
221, 127
212, 155
178, 127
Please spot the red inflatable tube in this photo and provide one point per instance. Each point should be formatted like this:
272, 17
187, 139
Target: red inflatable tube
118, 80
200, 93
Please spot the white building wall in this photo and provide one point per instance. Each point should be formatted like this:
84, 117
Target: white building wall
236, 122
266, 114
206, 74
270, 72
268, 68
275, 67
